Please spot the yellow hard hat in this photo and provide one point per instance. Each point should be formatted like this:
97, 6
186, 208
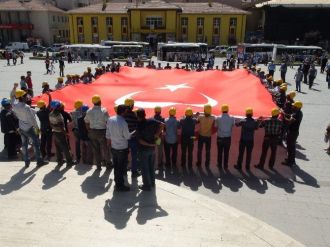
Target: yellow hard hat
158, 109
189, 112
129, 102
207, 109
19, 93
275, 112
45, 83
258, 69
172, 111
96, 99
292, 94
249, 111
60, 79
283, 88
41, 103
224, 108
297, 104
68, 76
279, 82
270, 78
78, 104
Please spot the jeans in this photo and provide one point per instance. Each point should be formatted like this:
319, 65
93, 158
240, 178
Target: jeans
147, 159
291, 146
120, 159
187, 144
298, 86
248, 145
62, 146
46, 143
223, 144
26, 135
269, 142
132, 144
201, 141
168, 147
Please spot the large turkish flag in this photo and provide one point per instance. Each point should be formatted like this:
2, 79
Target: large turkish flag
179, 88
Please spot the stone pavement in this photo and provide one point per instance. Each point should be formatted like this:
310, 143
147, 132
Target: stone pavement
77, 207
294, 201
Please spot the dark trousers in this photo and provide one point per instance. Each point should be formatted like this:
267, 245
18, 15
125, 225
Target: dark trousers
291, 146
187, 144
46, 143
12, 141
269, 142
133, 145
310, 81
223, 144
271, 72
99, 144
201, 141
120, 159
283, 76
77, 144
171, 149
147, 159
62, 71
62, 147
305, 77
248, 145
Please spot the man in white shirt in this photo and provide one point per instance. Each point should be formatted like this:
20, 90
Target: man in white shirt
224, 124
96, 122
28, 128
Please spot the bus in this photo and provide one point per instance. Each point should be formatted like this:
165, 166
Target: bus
299, 53
260, 53
146, 50
85, 51
181, 52
124, 51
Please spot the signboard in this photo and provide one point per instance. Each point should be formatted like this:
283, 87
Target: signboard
16, 26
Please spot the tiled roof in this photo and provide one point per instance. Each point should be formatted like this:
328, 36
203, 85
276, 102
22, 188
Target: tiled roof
298, 3
33, 5
187, 8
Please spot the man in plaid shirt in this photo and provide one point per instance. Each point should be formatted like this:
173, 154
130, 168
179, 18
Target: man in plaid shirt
273, 129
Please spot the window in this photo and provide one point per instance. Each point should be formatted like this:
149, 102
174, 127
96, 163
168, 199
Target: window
94, 21
80, 21
184, 21
81, 38
58, 19
200, 21
62, 18
216, 22
54, 19
108, 21
67, 33
215, 40
95, 39
233, 22
124, 21
154, 22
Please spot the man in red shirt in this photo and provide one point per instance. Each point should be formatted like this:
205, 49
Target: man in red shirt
28, 81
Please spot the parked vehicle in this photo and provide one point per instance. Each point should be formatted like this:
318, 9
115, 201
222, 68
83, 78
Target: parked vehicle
38, 48
219, 50
17, 46
57, 47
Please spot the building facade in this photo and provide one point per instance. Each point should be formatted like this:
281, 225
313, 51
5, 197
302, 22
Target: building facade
32, 20
158, 21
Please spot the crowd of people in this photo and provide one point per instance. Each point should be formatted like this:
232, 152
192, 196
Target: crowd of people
113, 138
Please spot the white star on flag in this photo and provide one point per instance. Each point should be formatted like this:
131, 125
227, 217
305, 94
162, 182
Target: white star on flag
173, 88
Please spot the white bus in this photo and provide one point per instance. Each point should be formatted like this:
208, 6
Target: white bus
145, 45
181, 52
299, 53
124, 51
85, 51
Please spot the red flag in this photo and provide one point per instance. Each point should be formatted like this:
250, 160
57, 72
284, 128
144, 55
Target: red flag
179, 88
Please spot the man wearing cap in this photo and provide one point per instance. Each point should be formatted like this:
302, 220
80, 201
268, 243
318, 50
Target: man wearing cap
96, 121
75, 115
293, 132
131, 119
160, 145
171, 138
45, 87
61, 143
273, 129
224, 125
206, 124
28, 128
118, 135
248, 125
188, 124
59, 84
45, 129
9, 126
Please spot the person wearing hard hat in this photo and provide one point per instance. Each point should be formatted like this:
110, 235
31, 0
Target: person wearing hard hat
89, 75
68, 80
281, 98
96, 121
293, 121
206, 124
28, 128
171, 138
224, 125
9, 127
61, 142
188, 125
45, 130
160, 145
273, 129
248, 125
75, 115
87, 157
59, 84
45, 87
131, 119
118, 135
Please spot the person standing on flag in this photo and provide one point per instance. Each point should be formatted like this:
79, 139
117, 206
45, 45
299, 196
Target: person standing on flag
224, 125
158, 117
206, 125
171, 139
96, 122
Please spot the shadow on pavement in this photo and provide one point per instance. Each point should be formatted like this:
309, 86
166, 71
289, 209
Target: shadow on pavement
307, 178
54, 177
18, 181
255, 183
82, 169
96, 185
210, 181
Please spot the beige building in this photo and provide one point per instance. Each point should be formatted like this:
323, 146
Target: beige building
32, 19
